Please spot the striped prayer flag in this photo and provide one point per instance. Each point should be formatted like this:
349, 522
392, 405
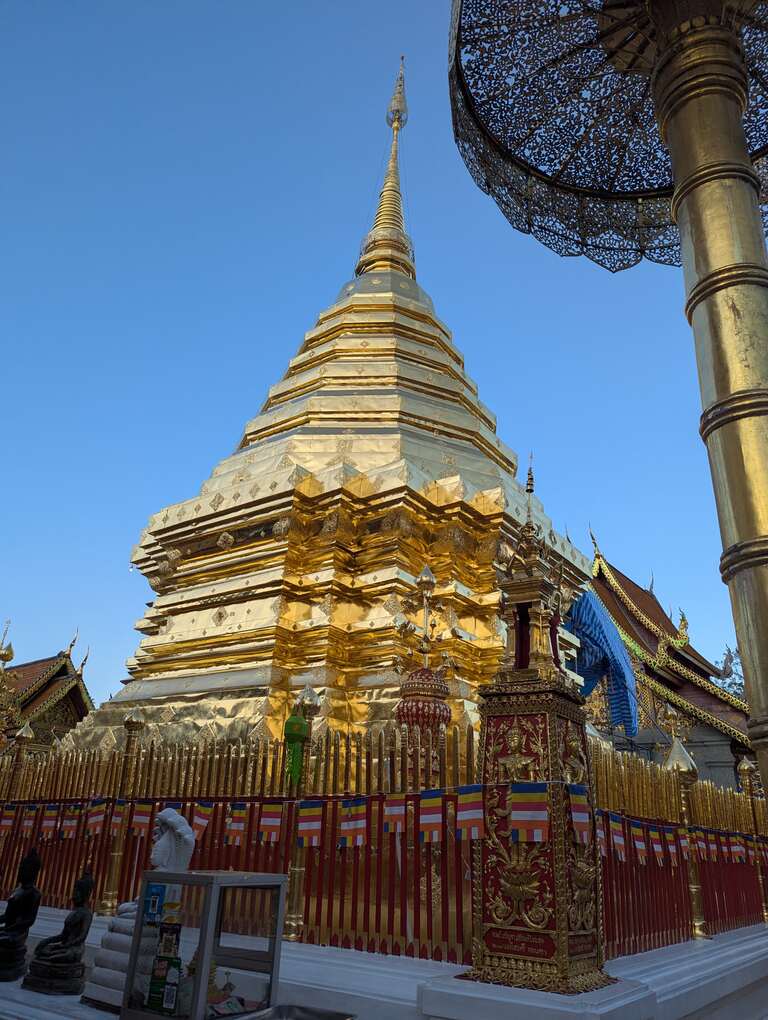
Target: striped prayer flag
174, 805
310, 823
669, 834
353, 823
7, 818
142, 815
431, 816
394, 813
656, 844
201, 815
94, 823
528, 809
701, 844
581, 816
602, 843
270, 822
235, 827
69, 821
50, 819
119, 812
470, 815
28, 817
685, 845
638, 839
712, 845
751, 855
738, 849
617, 836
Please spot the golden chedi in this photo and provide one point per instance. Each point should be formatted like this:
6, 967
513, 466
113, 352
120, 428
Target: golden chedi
297, 561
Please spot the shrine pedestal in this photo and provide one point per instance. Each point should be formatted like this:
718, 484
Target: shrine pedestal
536, 895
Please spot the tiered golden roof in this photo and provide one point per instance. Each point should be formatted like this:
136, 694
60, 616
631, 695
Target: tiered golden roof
371, 457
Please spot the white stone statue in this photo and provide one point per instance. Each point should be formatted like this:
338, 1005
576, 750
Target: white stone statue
173, 843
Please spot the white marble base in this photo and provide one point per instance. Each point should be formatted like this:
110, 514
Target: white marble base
725, 978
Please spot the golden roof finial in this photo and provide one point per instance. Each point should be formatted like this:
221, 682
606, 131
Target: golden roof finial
6, 650
387, 246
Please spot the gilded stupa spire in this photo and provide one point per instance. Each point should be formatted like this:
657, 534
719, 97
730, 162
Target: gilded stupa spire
387, 247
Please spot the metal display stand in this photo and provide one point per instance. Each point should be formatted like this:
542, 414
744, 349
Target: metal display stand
157, 984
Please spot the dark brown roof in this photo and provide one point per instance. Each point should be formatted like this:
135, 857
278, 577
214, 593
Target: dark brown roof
26, 674
648, 604
682, 670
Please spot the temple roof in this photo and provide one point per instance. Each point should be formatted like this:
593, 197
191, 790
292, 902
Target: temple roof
40, 684
672, 667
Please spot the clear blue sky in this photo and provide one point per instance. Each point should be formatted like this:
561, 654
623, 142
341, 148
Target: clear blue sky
183, 187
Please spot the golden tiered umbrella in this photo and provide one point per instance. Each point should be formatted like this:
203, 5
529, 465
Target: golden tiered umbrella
629, 129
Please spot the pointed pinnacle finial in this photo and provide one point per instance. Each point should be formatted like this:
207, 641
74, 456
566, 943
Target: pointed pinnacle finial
529, 484
387, 247
594, 541
397, 111
650, 584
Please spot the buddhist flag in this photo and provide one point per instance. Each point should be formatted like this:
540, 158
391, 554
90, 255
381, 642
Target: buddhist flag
528, 806
669, 833
7, 818
142, 815
69, 821
712, 844
118, 815
310, 823
270, 822
28, 817
701, 844
617, 836
656, 845
95, 821
600, 830
201, 815
470, 817
685, 846
235, 827
752, 856
738, 850
50, 818
353, 823
725, 846
394, 813
431, 816
638, 839
581, 816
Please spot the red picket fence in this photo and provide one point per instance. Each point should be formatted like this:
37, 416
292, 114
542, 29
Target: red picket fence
394, 894
646, 905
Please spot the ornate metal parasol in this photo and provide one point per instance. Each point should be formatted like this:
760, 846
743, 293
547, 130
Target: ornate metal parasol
553, 112
623, 129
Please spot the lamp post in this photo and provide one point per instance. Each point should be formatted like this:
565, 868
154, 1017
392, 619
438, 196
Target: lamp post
599, 126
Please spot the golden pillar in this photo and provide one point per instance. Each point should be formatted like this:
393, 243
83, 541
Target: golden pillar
307, 705
678, 760
700, 92
133, 724
746, 768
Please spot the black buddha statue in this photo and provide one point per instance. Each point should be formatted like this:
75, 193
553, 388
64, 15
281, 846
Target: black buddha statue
20, 914
57, 966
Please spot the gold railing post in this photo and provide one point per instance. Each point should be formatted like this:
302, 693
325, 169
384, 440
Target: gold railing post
746, 768
133, 724
700, 92
308, 704
16, 786
678, 760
